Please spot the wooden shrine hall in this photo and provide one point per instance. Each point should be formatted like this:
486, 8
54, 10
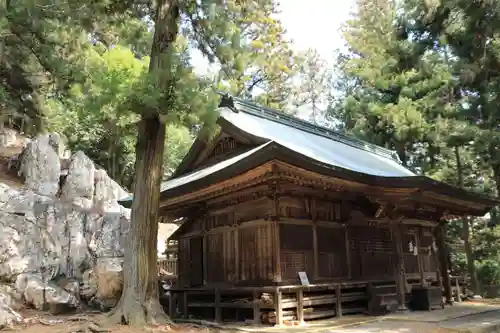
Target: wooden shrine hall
288, 221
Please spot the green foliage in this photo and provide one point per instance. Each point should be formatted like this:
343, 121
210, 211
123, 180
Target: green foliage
81, 69
246, 40
489, 272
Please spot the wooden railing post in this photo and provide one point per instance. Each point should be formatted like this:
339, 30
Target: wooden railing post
256, 307
338, 306
300, 306
277, 306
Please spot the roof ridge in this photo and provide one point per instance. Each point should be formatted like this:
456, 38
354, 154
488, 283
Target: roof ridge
276, 116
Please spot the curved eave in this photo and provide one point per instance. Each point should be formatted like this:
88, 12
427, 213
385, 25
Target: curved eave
480, 205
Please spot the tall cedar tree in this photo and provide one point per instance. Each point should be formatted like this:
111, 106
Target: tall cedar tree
470, 31
139, 303
396, 86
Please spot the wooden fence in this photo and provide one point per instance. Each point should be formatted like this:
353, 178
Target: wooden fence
169, 265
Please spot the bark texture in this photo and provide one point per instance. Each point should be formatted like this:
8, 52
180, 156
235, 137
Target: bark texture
139, 304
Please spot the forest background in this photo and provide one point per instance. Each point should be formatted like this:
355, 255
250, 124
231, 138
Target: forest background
419, 77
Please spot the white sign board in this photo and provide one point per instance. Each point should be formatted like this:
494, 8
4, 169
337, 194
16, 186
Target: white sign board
303, 278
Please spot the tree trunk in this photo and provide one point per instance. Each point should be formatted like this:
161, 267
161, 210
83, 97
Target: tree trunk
139, 304
466, 234
471, 267
496, 176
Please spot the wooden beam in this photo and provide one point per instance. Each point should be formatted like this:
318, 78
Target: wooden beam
248, 179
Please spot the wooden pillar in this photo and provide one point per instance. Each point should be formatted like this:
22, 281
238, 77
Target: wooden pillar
204, 258
435, 260
171, 305
185, 306
276, 240
443, 263
348, 253
399, 271
312, 211
217, 305
277, 251
420, 262
237, 252
315, 252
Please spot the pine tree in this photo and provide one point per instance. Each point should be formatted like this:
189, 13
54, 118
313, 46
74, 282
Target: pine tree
399, 93
314, 80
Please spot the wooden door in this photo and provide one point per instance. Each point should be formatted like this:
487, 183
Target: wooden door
196, 261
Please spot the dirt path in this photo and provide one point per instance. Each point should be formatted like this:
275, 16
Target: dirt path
40, 322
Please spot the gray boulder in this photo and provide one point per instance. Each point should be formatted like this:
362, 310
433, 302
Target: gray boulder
41, 167
79, 183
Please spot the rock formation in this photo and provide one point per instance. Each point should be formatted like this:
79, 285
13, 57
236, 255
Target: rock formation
61, 236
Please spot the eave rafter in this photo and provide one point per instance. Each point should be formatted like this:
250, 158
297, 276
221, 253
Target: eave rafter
384, 201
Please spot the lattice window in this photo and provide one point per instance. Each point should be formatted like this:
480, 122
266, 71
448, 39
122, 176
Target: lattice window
332, 258
296, 237
293, 262
372, 254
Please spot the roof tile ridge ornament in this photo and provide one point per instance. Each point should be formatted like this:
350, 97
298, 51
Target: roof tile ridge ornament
227, 101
